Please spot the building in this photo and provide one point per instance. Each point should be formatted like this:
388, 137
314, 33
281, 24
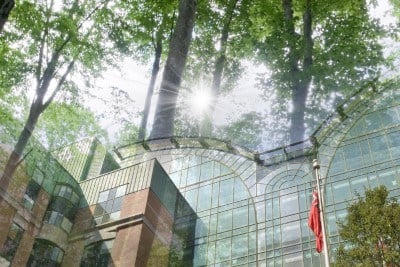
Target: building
200, 202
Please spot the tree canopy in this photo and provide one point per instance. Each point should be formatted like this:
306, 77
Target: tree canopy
314, 49
314, 54
54, 40
371, 231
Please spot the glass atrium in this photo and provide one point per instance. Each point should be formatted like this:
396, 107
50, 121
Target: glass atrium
253, 209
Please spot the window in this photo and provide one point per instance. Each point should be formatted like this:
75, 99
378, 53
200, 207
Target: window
66, 191
31, 193
12, 241
108, 207
45, 254
58, 219
97, 254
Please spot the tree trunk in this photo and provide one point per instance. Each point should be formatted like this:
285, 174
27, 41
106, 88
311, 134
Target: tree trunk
36, 109
178, 49
206, 125
150, 90
5, 9
300, 79
16, 154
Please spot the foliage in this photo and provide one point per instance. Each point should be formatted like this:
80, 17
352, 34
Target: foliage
142, 29
55, 39
313, 50
127, 134
221, 34
136, 26
371, 232
63, 124
246, 131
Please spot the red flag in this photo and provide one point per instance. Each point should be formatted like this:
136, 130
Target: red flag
314, 222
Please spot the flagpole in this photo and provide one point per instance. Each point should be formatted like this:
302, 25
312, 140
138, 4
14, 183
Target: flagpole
321, 213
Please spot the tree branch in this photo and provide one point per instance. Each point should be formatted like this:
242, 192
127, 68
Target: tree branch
42, 44
59, 84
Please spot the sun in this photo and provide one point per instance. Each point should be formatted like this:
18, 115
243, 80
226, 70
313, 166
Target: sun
200, 101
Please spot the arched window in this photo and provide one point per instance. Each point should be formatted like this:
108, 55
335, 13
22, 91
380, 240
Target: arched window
287, 235
45, 254
97, 254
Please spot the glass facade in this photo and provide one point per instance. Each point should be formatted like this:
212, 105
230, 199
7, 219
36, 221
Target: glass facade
109, 202
62, 208
225, 229
253, 214
368, 156
249, 209
226, 233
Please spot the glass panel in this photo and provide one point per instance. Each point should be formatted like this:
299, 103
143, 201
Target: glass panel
224, 221
103, 196
211, 253
388, 117
373, 180
341, 191
99, 209
372, 122
240, 190
293, 260
191, 198
240, 217
204, 201
223, 251
291, 233
226, 192
366, 152
225, 170
289, 204
201, 227
379, 149
332, 229
215, 195
193, 175
353, 156
117, 204
239, 246
66, 225
337, 163
200, 252
213, 223
109, 205
206, 171
277, 236
112, 193
359, 184
120, 191
394, 144
115, 215
388, 178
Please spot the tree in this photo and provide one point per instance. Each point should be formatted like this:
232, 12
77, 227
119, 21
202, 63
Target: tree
371, 232
5, 8
221, 43
63, 124
178, 49
245, 131
142, 29
314, 48
54, 40
127, 134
